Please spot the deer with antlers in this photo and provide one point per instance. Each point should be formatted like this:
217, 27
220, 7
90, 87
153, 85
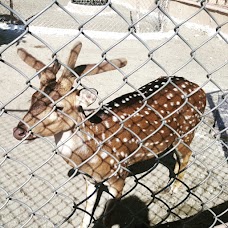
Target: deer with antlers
132, 128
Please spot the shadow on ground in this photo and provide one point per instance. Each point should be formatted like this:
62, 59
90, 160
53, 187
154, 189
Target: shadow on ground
201, 220
129, 212
133, 213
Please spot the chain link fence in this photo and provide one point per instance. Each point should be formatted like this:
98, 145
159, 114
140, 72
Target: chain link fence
106, 20
36, 188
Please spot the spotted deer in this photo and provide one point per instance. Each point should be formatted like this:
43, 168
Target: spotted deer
131, 128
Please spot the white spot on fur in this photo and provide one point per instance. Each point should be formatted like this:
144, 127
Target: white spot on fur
112, 161
169, 96
88, 137
122, 154
114, 118
104, 155
107, 124
103, 136
96, 128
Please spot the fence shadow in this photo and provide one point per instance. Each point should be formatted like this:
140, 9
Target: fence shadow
200, 220
131, 212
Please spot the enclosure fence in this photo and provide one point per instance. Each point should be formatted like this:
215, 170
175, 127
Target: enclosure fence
37, 187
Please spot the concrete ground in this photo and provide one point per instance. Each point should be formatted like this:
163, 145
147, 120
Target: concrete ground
31, 200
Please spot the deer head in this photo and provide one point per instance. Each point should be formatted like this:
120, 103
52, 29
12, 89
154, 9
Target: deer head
53, 107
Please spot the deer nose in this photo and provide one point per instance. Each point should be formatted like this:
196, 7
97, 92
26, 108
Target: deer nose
19, 132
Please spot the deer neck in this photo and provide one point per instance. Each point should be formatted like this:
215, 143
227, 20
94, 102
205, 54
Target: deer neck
72, 144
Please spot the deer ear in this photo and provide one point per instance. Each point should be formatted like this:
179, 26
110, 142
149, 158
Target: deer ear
86, 97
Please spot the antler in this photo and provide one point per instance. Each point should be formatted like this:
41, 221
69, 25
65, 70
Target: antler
30, 60
102, 67
48, 74
67, 78
73, 57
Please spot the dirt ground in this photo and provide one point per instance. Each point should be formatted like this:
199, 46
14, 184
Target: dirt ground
32, 173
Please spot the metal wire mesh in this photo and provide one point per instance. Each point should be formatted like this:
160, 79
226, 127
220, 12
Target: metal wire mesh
35, 190
106, 20
89, 2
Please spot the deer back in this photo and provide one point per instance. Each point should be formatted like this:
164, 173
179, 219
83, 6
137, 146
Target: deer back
139, 125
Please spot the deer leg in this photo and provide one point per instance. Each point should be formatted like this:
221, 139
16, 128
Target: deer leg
115, 189
91, 193
184, 154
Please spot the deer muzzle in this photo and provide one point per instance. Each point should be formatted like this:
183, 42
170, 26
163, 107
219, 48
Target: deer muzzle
21, 131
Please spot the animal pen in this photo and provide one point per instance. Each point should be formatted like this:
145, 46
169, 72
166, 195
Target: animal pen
184, 38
